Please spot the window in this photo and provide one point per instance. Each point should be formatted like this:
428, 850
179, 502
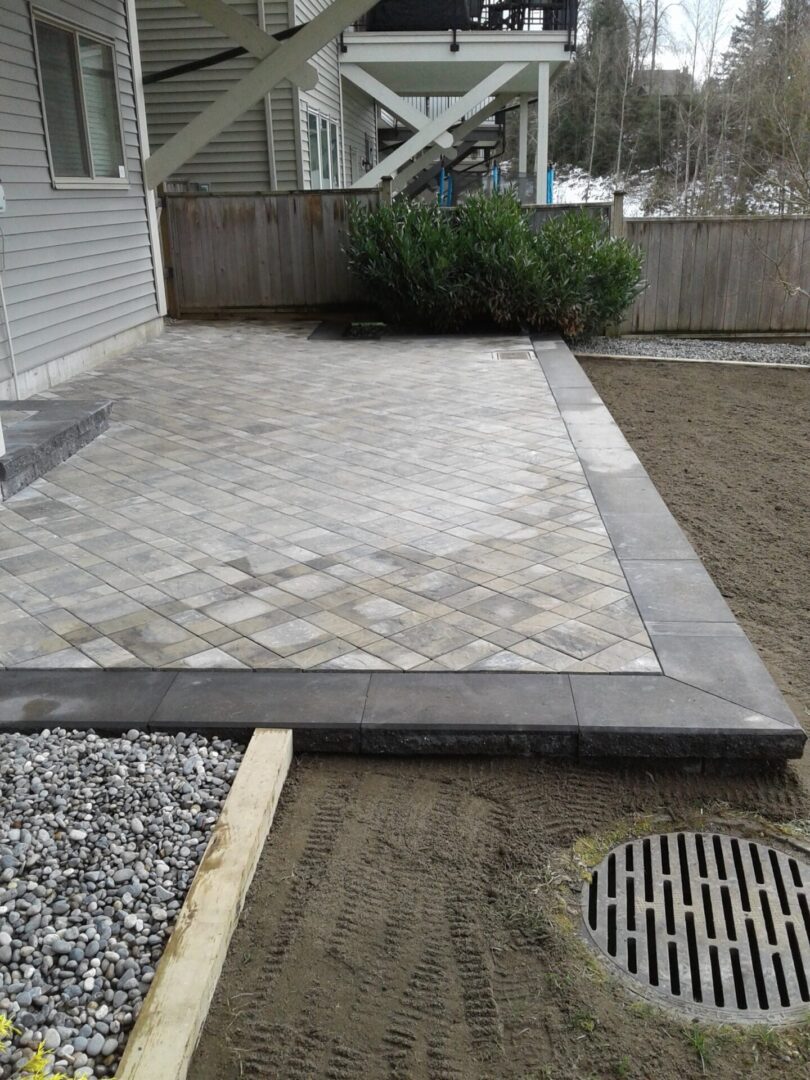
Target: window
324, 152
80, 105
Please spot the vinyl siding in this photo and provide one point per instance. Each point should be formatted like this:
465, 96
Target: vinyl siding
284, 106
325, 97
77, 265
359, 113
237, 159
359, 121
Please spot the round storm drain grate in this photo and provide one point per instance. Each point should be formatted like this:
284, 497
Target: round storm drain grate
715, 924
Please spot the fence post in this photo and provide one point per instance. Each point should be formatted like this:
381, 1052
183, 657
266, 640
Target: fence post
386, 192
164, 231
617, 215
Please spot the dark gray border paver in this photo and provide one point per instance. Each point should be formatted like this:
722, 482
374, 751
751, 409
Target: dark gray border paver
108, 700
716, 697
323, 708
469, 712
675, 590
640, 715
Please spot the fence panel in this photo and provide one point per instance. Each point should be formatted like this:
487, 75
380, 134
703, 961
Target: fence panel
245, 252
233, 253
722, 275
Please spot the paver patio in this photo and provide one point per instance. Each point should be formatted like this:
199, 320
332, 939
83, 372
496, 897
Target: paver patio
266, 501
414, 545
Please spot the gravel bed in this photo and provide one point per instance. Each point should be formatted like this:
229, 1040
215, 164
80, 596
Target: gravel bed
99, 841
758, 352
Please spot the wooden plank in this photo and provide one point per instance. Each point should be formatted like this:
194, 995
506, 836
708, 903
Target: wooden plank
312, 241
763, 242
640, 231
761, 271
792, 270
291, 282
685, 276
643, 239
263, 254
666, 263
713, 277
746, 252
732, 250
698, 278
673, 291
802, 323
275, 274
165, 1034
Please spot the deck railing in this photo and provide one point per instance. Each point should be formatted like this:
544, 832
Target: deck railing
456, 15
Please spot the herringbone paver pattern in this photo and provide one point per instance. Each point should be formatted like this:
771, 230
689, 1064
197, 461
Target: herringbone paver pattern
266, 501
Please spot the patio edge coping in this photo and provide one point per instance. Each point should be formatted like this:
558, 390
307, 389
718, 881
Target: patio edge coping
715, 698
165, 1035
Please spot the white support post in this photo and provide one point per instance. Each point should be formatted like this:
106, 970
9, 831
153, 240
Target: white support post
272, 172
287, 58
541, 162
143, 141
249, 35
523, 135
391, 101
460, 133
428, 134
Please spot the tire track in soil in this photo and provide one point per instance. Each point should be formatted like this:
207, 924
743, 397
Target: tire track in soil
379, 941
418, 1036
382, 924
298, 1055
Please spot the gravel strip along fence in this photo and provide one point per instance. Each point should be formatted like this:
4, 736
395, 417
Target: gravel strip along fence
99, 842
670, 348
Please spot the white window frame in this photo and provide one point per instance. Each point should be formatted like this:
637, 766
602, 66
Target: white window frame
336, 182
79, 182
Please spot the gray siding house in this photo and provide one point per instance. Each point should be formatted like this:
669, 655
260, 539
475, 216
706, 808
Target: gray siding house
294, 139
79, 257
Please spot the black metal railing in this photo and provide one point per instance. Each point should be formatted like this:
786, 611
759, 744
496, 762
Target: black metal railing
455, 15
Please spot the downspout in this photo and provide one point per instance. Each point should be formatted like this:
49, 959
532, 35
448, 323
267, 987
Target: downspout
342, 162
296, 107
268, 112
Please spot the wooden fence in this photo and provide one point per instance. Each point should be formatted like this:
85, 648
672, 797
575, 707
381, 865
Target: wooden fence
232, 253
722, 275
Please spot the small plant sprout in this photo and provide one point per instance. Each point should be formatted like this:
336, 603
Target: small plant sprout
767, 1037
699, 1041
622, 1068
584, 1021
38, 1066
7, 1029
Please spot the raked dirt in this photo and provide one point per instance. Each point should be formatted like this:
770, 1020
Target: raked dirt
417, 918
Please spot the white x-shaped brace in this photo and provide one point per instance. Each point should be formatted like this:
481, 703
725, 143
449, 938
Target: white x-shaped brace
391, 101
459, 134
430, 132
278, 60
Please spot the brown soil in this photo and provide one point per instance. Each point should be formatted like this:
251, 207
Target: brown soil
417, 918
729, 449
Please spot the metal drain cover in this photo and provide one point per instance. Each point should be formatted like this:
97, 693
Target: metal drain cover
715, 924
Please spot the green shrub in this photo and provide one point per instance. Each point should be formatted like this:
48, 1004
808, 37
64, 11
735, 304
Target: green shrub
497, 261
481, 263
593, 278
405, 254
